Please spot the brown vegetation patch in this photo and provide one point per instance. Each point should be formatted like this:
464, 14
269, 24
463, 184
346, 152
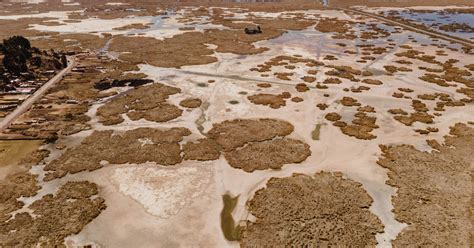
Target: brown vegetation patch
74, 42
321, 87
329, 57
457, 27
393, 69
397, 112
366, 108
361, 126
285, 61
301, 87
414, 117
9, 28
332, 116
236, 133
148, 102
332, 81
359, 89
183, 49
470, 67
322, 106
283, 75
420, 114
133, 26
273, 101
258, 144
296, 99
201, 150
264, 85
161, 113
344, 72
54, 217
270, 154
434, 190
407, 90
324, 210
398, 94
13, 187
191, 48
349, 101
372, 81
403, 62
340, 27
134, 146
191, 103
308, 79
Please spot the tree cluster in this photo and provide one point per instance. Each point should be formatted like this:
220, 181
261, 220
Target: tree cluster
17, 52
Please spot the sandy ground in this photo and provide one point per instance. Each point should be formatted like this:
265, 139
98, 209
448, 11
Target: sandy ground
149, 205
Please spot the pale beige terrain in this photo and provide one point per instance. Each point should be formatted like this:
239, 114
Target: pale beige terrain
319, 125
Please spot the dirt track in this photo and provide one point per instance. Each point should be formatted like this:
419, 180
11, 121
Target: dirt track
38, 93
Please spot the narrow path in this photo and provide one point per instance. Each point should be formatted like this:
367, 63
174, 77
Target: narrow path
240, 78
412, 28
25, 105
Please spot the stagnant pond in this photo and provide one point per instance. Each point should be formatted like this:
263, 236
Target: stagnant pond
229, 229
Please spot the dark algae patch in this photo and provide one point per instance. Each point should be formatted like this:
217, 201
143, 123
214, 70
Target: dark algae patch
230, 230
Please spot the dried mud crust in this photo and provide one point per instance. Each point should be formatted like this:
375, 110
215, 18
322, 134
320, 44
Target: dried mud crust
434, 195
147, 102
324, 210
135, 146
271, 154
53, 217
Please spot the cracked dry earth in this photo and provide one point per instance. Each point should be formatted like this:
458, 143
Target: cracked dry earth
174, 108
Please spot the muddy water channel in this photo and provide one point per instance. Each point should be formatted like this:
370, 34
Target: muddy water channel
229, 228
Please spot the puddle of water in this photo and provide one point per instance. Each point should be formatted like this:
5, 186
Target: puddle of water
202, 118
316, 132
230, 230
